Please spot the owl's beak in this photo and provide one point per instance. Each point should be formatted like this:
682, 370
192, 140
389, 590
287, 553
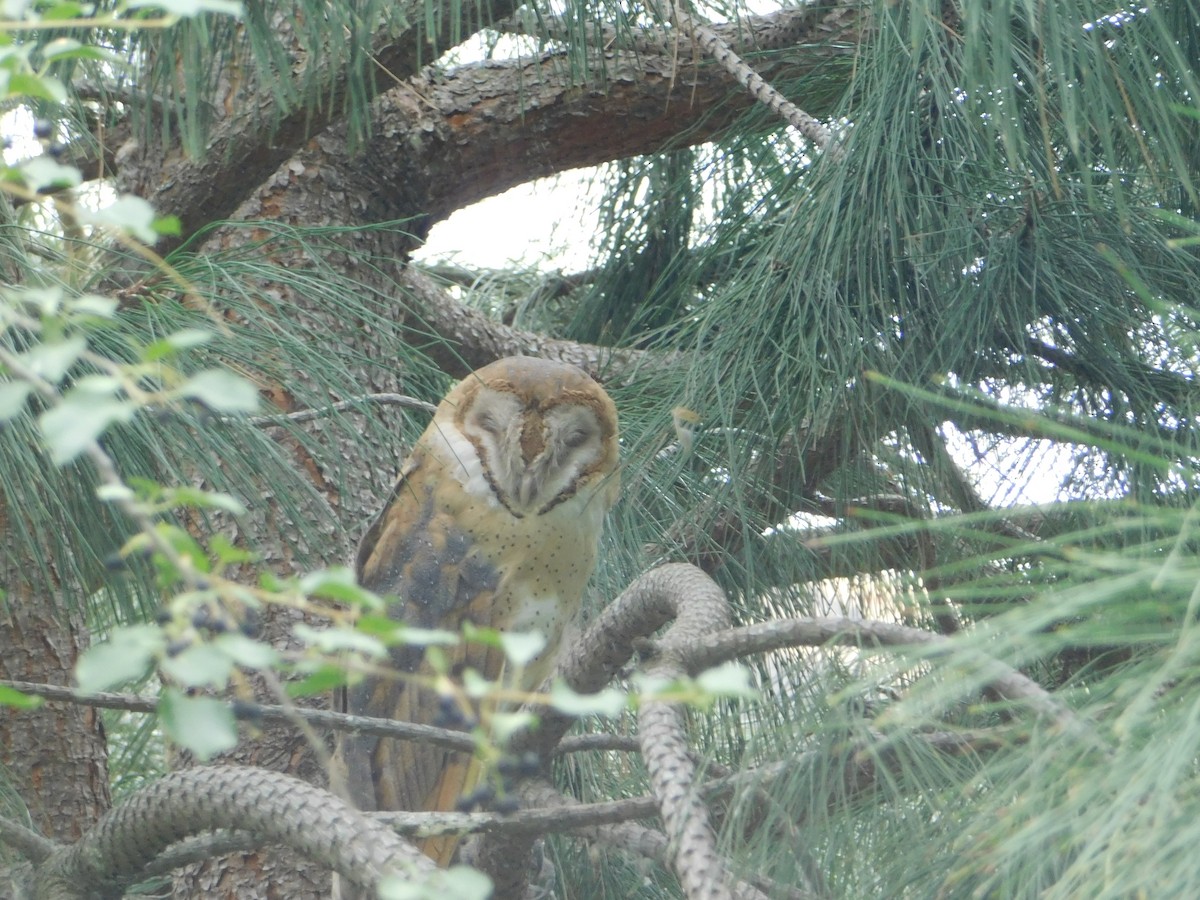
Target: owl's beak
527, 488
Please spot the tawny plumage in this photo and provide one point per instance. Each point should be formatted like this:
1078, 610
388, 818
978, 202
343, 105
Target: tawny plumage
495, 519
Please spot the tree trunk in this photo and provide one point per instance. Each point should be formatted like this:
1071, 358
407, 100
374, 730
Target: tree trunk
57, 759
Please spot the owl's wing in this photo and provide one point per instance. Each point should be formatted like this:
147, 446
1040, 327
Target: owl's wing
414, 552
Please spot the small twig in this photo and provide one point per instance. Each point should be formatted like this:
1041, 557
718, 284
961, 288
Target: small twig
578, 743
305, 415
321, 718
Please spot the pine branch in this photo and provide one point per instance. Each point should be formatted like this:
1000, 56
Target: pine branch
712, 44
843, 632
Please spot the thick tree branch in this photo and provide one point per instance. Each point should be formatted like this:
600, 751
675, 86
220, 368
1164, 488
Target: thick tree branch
276, 808
241, 153
443, 142
440, 141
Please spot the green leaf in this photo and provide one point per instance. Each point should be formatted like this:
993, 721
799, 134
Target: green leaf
98, 384
126, 655
53, 359
14, 9
608, 702
247, 652
323, 679
184, 339
727, 680
200, 665
332, 640
111, 493
93, 305
521, 648
78, 420
14, 698
44, 174
69, 48
200, 724
505, 724
45, 301
337, 583
13, 395
427, 637
653, 687
225, 551
455, 883
168, 226
130, 214
475, 685
221, 390
189, 8
185, 545
201, 499
37, 87
489, 637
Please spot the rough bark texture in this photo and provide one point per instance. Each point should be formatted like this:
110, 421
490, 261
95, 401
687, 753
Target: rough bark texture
443, 140
57, 758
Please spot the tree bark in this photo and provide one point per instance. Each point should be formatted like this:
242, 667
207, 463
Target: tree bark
56, 758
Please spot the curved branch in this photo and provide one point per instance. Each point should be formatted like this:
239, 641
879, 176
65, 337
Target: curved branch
241, 153
700, 611
274, 807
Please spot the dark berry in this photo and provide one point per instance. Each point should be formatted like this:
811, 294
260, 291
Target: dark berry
248, 712
506, 806
531, 764
481, 796
448, 714
251, 624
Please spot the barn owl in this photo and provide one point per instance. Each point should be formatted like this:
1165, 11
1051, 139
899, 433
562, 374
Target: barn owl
494, 519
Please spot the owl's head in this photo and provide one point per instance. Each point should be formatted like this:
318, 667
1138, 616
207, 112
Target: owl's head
543, 431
